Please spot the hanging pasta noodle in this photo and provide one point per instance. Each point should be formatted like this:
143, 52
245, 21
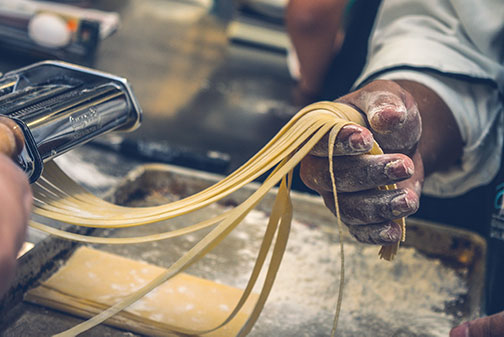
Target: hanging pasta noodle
58, 197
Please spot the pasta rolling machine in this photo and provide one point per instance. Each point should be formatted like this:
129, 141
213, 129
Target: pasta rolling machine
59, 106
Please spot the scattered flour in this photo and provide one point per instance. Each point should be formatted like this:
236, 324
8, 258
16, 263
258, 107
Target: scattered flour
406, 297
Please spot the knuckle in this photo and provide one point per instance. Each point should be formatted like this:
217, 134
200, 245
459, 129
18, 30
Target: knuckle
360, 234
305, 171
405, 203
314, 173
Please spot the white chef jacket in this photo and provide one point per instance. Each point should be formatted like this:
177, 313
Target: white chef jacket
456, 48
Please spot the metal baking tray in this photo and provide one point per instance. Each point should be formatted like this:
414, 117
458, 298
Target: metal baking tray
435, 282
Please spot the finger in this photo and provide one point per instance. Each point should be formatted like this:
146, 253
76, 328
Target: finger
356, 173
351, 140
374, 206
491, 326
392, 114
385, 233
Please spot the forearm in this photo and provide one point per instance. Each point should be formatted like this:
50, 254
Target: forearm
313, 28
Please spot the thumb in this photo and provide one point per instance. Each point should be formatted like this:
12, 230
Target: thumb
391, 112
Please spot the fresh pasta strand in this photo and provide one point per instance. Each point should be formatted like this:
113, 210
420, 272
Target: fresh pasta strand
58, 197
330, 146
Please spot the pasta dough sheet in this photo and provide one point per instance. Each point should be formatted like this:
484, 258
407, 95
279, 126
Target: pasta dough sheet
93, 280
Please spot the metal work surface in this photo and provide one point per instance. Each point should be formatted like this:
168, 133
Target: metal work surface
434, 283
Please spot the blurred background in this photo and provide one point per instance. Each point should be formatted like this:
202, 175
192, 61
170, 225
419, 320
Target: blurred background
210, 76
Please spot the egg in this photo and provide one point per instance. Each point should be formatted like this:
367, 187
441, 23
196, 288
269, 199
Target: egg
49, 30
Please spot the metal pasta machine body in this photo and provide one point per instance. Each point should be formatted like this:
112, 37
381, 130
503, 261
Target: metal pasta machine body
59, 106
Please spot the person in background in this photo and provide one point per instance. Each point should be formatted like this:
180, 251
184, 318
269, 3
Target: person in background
432, 91
317, 32
329, 45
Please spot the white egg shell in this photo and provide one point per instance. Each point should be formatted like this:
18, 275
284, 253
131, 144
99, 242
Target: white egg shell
49, 30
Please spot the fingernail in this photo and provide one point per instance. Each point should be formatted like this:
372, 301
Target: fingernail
401, 205
460, 331
390, 234
387, 116
398, 170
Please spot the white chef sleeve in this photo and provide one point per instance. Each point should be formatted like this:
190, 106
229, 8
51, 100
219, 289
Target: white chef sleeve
477, 109
456, 48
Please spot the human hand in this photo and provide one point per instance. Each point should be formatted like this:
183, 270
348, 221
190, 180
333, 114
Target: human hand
15, 207
15, 202
482, 327
394, 122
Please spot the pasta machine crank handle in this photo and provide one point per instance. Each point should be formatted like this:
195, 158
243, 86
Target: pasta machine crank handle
11, 137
